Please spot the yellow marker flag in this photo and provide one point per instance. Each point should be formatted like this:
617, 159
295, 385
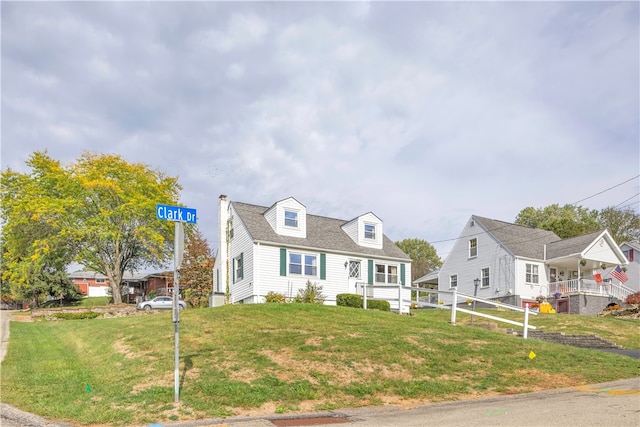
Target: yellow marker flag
532, 355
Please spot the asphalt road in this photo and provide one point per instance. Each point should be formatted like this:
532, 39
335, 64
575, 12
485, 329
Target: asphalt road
614, 403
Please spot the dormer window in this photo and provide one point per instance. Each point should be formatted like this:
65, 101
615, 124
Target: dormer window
370, 231
291, 219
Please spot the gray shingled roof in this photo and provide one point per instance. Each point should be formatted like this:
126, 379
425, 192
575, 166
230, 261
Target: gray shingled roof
571, 246
519, 240
322, 233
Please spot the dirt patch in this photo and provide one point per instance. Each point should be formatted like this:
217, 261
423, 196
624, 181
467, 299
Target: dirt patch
21, 318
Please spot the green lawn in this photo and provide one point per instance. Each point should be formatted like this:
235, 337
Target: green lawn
250, 359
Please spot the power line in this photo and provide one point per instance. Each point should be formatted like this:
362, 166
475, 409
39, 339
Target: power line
604, 191
621, 203
508, 224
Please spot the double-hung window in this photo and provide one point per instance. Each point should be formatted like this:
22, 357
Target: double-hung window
485, 277
386, 274
473, 248
303, 264
291, 219
532, 273
392, 274
453, 281
238, 268
370, 231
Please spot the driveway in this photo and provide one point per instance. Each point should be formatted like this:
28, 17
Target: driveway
5, 316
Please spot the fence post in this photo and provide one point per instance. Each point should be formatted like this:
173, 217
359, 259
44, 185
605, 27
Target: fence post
364, 296
526, 321
453, 306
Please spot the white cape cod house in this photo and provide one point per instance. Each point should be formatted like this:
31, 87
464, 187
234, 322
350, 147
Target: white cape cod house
516, 264
281, 247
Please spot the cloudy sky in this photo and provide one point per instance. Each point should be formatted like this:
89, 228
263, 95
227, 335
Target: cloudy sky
421, 112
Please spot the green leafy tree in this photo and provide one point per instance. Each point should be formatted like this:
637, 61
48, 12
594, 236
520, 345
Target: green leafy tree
196, 278
570, 221
34, 254
98, 211
423, 255
566, 221
623, 224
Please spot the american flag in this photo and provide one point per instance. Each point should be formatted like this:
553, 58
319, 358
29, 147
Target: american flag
619, 274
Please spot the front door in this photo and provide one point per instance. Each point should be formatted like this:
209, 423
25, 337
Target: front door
355, 276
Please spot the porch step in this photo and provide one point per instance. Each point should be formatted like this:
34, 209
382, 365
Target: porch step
583, 341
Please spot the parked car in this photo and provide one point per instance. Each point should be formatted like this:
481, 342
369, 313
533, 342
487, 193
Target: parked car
160, 303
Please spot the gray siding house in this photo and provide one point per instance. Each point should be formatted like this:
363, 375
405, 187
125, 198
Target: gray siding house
499, 260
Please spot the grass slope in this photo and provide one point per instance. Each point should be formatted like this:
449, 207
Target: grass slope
251, 359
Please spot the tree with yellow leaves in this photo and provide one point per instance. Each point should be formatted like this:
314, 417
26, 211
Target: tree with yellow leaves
98, 212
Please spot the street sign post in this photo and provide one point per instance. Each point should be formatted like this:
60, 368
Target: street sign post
179, 216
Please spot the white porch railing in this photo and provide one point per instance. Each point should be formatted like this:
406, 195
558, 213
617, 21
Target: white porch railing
590, 286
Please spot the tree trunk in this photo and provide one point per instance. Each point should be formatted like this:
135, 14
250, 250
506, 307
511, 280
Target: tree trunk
115, 291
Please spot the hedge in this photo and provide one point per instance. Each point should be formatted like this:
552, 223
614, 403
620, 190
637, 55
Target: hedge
356, 301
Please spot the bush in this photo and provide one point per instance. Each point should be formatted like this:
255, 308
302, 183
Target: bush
633, 298
379, 305
349, 300
312, 294
274, 297
357, 301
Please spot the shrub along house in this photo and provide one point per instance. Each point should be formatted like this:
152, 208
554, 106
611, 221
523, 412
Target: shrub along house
516, 264
280, 248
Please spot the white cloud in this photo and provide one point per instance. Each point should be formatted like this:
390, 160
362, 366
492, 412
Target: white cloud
422, 112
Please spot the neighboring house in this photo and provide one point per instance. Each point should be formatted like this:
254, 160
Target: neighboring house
134, 285
282, 247
631, 251
516, 264
91, 283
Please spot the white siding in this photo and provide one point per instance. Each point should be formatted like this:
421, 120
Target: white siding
490, 255
529, 290
356, 227
276, 214
336, 282
603, 251
241, 243
351, 229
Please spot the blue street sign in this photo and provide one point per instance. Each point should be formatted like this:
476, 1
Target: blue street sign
176, 213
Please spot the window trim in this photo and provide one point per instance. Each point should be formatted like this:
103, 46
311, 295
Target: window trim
485, 281
473, 246
370, 231
453, 278
238, 268
529, 275
304, 265
294, 222
386, 274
